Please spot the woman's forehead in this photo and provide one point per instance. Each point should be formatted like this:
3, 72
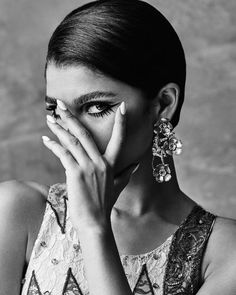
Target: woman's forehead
76, 81
70, 73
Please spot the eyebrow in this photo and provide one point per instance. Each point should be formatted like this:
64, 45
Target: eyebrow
82, 98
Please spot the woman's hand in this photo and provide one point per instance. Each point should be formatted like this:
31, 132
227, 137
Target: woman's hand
92, 189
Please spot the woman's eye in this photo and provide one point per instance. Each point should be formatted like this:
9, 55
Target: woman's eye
95, 109
103, 109
52, 108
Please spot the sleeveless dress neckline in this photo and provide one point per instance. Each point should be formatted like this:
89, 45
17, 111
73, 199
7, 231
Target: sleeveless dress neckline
56, 265
158, 248
150, 252
133, 256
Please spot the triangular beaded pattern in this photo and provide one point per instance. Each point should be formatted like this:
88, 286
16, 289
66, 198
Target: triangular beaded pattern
143, 285
71, 286
33, 286
57, 201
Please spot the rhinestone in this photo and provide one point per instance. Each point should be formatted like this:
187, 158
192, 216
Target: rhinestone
184, 284
200, 221
180, 275
155, 285
54, 261
156, 256
189, 257
76, 247
43, 244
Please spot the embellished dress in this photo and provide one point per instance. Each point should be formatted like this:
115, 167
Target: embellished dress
56, 265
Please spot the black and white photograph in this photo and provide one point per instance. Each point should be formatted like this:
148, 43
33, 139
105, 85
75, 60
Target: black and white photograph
118, 147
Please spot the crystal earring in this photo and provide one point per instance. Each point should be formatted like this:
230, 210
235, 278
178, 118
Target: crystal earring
164, 143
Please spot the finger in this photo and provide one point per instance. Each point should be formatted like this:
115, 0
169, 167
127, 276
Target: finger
64, 155
78, 130
117, 138
70, 143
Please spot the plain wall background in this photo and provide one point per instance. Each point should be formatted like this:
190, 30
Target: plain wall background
207, 167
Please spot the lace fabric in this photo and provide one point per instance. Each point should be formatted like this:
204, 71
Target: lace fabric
154, 261
56, 264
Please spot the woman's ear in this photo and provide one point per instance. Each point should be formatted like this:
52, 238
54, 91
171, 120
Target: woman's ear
168, 98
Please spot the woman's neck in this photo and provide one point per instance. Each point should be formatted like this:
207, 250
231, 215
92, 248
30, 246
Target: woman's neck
144, 195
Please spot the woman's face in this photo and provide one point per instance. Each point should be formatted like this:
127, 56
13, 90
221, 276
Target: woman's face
97, 115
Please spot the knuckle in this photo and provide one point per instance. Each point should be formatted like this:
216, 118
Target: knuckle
103, 166
68, 115
84, 133
91, 170
74, 140
66, 152
74, 172
78, 173
53, 143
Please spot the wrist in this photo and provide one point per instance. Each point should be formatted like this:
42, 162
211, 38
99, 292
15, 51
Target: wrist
95, 230
95, 237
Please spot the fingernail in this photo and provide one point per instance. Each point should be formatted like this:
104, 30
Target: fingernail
122, 108
51, 119
136, 168
61, 105
45, 138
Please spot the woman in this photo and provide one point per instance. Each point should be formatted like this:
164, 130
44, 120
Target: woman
115, 78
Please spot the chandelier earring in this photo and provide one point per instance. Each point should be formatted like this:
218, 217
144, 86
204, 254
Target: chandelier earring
164, 143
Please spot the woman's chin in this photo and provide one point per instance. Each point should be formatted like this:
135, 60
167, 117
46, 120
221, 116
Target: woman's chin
120, 171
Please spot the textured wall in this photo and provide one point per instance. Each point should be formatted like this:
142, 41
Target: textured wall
207, 28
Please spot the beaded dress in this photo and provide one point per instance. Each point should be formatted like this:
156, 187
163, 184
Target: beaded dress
56, 264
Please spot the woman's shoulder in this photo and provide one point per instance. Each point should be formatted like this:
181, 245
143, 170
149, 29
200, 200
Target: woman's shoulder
41, 188
221, 245
22, 194
24, 201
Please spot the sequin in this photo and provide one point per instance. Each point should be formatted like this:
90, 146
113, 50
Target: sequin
54, 261
184, 284
156, 256
76, 247
155, 285
43, 244
189, 258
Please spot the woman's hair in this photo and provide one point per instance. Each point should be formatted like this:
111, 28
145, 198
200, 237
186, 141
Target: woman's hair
128, 40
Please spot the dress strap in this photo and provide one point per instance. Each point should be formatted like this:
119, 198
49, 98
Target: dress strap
183, 269
57, 198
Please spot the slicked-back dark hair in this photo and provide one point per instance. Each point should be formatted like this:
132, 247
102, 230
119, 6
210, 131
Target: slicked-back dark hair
128, 40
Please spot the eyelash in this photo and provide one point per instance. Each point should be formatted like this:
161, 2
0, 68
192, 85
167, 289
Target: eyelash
107, 111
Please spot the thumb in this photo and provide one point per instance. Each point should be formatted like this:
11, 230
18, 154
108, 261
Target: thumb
122, 180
